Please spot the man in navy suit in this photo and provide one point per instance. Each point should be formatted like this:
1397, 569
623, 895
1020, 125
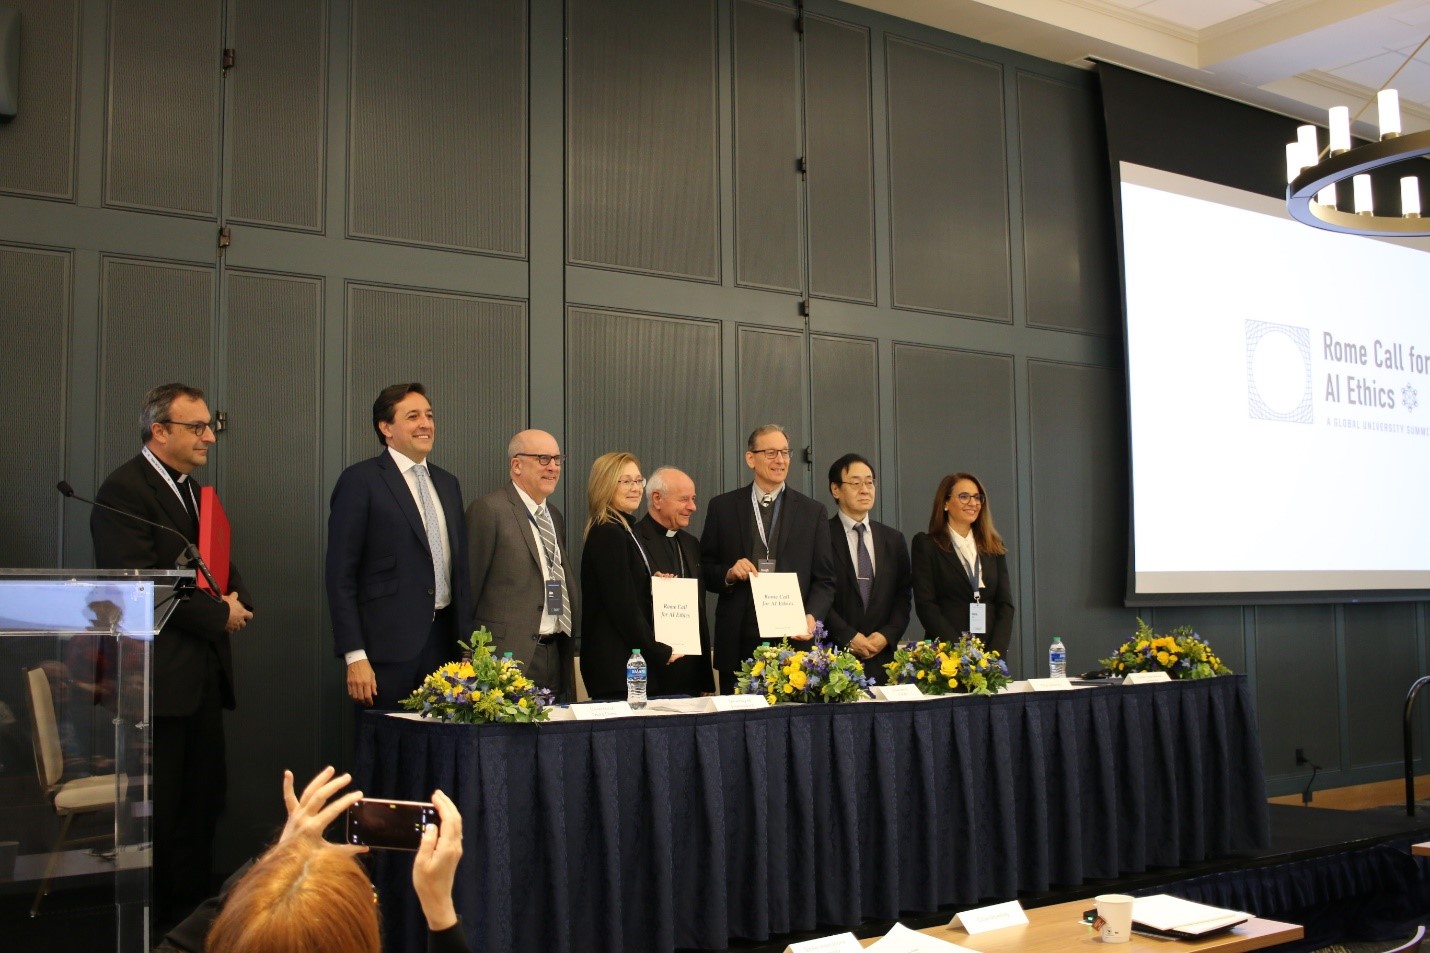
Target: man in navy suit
397, 557
873, 581
765, 526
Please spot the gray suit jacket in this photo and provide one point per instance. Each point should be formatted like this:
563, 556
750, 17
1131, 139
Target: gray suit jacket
507, 587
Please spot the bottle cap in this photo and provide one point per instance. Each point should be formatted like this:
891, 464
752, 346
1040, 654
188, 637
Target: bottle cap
635, 651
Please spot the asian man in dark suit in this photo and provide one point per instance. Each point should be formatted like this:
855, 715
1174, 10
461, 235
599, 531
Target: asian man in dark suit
525, 591
193, 659
873, 583
763, 524
397, 579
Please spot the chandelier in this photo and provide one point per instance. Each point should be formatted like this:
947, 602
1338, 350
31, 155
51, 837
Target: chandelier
1312, 174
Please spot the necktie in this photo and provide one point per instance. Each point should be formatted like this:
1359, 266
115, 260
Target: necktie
767, 514
553, 562
431, 513
865, 569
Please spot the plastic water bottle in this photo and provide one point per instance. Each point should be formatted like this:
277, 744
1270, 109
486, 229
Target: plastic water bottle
635, 679
1057, 659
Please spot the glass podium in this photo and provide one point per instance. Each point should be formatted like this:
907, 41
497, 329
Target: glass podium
75, 749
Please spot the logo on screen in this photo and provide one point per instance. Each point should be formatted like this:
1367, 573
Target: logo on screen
1278, 372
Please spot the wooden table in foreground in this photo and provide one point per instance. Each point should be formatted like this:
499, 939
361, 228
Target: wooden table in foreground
1059, 927
1421, 850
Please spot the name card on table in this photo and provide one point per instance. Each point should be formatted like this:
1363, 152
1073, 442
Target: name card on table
737, 702
1145, 678
1050, 685
903, 940
675, 604
899, 693
596, 711
779, 607
996, 917
839, 943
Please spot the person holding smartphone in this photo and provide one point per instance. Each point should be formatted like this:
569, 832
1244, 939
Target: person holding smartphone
306, 893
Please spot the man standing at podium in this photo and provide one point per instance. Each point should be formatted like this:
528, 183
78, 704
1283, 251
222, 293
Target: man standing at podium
397, 557
192, 661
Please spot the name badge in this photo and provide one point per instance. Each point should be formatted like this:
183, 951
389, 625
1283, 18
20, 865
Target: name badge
977, 618
765, 565
553, 597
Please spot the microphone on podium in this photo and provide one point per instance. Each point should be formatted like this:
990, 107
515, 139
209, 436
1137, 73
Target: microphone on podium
189, 557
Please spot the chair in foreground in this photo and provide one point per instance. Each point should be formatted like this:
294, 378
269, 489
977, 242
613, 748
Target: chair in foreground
69, 798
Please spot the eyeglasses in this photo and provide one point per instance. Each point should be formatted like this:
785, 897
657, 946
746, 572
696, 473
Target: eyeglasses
631, 481
772, 455
545, 459
869, 483
195, 427
970, 498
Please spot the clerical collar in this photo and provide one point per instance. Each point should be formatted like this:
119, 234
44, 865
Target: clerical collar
671, 532
174, 475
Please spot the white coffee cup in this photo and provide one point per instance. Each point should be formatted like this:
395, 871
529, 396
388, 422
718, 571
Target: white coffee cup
1115, 912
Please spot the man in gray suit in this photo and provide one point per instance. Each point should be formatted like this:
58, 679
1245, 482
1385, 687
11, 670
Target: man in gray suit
522, 583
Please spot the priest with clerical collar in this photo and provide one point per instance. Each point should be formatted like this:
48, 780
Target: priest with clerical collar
673, 551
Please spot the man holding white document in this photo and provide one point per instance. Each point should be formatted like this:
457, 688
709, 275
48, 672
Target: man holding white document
674, 553
765, 527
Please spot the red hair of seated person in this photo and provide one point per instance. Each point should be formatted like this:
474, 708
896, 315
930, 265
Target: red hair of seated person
303, 895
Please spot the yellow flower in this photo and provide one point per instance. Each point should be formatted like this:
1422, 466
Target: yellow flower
948, 665
771, 698
789, 689
1163, 657
983, 662
953, 683
797, 679
758, 667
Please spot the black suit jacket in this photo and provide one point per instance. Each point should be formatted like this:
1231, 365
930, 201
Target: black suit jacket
379, 566
197, 630
617, 616
888, 609
692, 674
802, 533
942, 593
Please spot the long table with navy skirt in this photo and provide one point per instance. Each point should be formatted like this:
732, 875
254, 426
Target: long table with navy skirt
654, 833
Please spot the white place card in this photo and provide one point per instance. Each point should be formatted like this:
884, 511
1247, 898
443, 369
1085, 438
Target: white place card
839, 943
596, 711
903, 940
680, 706
737, 702
899, 693
779, 607
1146, 678
675, 604
1050, 685
996, 917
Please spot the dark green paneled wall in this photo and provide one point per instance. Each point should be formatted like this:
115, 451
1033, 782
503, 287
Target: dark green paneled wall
593, 217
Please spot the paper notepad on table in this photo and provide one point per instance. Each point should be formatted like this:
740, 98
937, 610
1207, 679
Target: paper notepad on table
1182, 918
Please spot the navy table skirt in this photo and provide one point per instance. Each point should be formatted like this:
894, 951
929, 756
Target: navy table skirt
686, 831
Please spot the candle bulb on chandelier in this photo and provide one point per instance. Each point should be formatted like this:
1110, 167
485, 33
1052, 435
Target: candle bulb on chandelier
1365, 204
1410, 197
1388, 103
1340, 122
